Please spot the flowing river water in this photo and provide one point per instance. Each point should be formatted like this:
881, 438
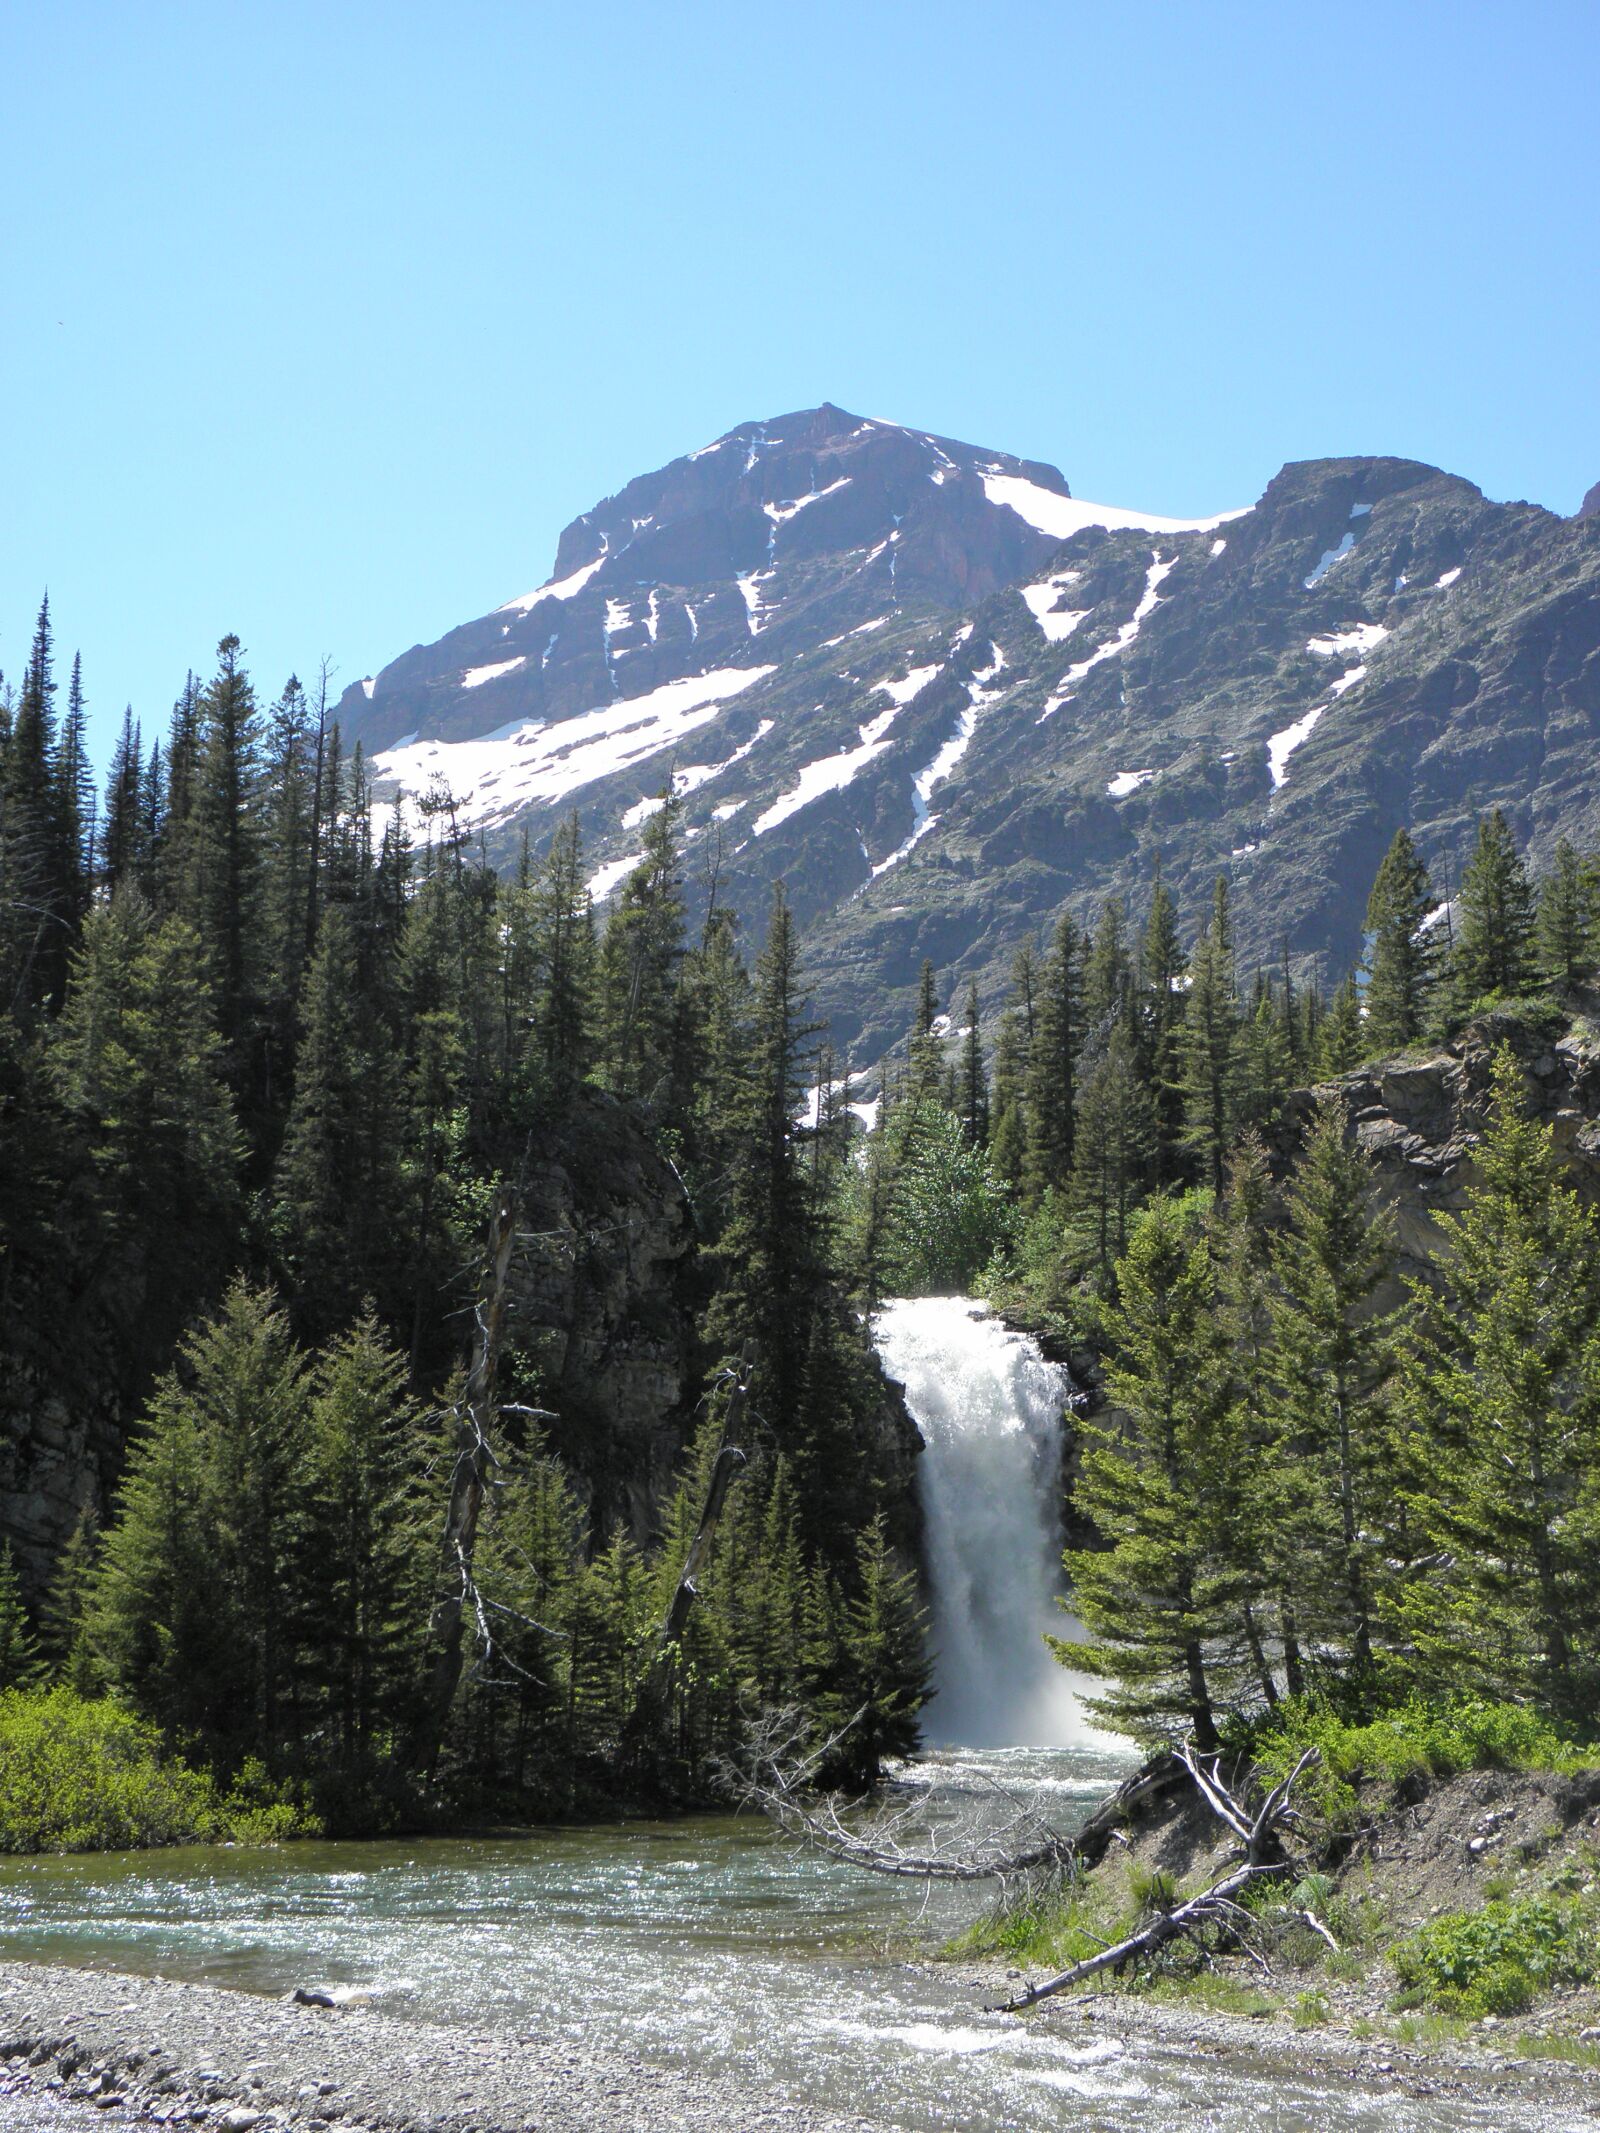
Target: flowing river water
710, 1943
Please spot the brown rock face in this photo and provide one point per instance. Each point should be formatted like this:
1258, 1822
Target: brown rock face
1418, 1120
1590, 507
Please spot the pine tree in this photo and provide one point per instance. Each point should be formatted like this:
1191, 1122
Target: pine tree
338, 1209
1258, 1513
639, 960
65, 1613
193, 1616
925, 1074
1107, 970
564, 932
1052, 1066
1341, 1039
1569, 920
1209, 1049
1266, 1061
883, 1632
1116, 1146
21, 1665
770, 1256
1160, 1598
121, 846
224, 856
974, 1090
1501, 1388
363, 1585
1332, 1360
1401, 954
33, 938
1495, 925
138, 1065
1162, 970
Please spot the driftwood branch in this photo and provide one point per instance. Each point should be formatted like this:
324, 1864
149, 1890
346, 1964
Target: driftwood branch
1217, 1907
902, 1840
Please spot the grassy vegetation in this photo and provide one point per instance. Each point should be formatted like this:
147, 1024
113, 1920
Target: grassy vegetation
79, 1776
1415, 1739
1497, 1961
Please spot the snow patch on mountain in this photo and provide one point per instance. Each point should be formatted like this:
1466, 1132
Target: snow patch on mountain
901, 692
557, 589
780, 514
611, 876
927, 780
830, 773
1364, 637
475, 677
1127, 781
1062, 516
1326, 561
493, 776
1149, 601
1041, 599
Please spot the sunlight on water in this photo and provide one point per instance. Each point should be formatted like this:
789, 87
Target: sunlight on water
710, 1943
694, 1943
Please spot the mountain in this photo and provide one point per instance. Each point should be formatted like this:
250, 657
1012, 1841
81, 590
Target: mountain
939, 697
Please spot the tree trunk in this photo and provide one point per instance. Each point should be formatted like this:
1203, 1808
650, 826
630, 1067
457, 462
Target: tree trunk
475, 1416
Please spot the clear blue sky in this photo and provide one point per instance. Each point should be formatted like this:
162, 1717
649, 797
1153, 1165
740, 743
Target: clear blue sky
321, 321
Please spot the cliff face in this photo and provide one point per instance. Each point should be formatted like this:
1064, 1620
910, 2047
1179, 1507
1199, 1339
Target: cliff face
1418, 1118
602, 1327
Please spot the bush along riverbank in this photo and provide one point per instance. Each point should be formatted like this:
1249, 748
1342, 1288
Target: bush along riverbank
1434, 1879
82, 1776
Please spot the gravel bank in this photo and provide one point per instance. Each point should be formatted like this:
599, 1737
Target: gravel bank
169, 2053
1552, 2091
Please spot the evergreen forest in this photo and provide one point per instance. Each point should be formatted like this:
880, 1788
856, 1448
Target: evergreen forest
276, 1067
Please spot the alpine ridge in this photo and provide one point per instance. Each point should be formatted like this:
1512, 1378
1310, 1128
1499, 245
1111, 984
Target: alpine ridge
938, 696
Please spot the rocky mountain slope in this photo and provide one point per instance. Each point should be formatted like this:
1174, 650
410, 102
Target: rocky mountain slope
939, 697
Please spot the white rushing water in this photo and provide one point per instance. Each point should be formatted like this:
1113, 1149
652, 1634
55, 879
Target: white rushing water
990, 1411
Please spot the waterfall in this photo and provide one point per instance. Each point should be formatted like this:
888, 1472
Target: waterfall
989, 1408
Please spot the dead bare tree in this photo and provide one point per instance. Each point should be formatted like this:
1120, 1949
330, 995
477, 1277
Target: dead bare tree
655, 1688
475, 1415
902, 1840
903, 1837
1217, 1908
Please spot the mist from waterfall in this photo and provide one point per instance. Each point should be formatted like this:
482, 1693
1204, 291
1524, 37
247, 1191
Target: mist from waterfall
990, 1408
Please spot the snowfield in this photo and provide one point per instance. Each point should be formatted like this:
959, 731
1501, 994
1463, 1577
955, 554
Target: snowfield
533, 760
1063, 516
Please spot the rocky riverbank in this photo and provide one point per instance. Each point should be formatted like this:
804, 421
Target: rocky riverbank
173, 2054
157, 2052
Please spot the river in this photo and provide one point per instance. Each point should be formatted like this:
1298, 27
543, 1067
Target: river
711, 1943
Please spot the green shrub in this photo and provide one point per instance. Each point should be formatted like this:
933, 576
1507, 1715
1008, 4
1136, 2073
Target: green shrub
1495, 1961
77, 1776
1415, 1739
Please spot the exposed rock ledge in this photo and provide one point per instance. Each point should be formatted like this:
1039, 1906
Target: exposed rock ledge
1418, 1118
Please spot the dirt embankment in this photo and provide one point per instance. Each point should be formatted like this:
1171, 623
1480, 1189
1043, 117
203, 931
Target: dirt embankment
1416, 1852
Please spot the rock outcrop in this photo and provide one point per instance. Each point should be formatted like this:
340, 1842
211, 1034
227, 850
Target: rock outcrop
1418, 1118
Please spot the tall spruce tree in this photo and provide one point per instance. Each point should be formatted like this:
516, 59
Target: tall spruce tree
1160, 1598
1053, 1064
1401, 955
1210, 1053
1501, 1390
1494, 949
1569, 920
1332, 1360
